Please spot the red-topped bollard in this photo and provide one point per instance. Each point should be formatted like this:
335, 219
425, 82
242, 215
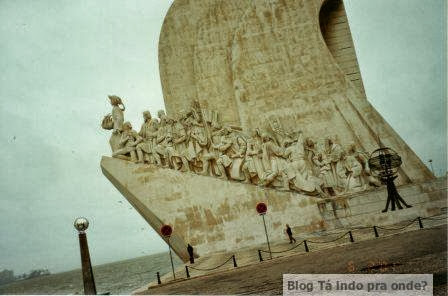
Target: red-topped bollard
166, 231
262, 208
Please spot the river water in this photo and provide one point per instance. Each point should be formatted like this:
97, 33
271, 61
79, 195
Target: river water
121, 277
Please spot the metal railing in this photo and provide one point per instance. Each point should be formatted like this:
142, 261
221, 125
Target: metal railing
188, 267
350, 233
305, 242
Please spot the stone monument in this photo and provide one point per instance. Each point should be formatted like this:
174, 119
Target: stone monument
265, 103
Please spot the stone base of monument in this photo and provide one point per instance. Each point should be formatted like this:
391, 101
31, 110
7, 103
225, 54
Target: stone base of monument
219, 216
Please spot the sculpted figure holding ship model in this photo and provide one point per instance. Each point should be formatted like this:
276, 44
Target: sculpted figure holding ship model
114, 121
197, 142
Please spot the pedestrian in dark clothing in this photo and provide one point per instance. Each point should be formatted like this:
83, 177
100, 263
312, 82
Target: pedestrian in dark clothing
289, 233
190, 252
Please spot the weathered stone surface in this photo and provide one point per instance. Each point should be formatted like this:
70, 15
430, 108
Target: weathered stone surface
211, 214
217, 216
284, 65
291, 59
197, 142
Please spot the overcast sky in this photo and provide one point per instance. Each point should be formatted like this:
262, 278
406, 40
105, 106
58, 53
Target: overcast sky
60, 60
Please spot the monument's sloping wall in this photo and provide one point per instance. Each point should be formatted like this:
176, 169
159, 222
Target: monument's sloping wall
176, 52
286, 60
336, 33
216, 216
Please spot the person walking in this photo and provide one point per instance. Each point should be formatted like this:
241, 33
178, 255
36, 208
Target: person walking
190, 252
289, 233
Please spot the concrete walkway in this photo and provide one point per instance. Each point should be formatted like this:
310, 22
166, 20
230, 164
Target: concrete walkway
412, 250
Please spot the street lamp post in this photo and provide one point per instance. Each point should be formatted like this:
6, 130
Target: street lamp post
81, 224
262, 209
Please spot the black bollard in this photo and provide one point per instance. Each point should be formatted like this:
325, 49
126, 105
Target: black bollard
376, 231
158, 278
306, 246
186, 270
234, 261
259, 255
420, 222
351, 236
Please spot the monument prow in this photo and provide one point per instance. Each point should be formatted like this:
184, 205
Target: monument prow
121, 174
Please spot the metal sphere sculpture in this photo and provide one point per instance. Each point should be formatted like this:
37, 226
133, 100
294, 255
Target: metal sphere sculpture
384, 164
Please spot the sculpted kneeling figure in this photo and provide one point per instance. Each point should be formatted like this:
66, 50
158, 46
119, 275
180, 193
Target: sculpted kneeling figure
128, 142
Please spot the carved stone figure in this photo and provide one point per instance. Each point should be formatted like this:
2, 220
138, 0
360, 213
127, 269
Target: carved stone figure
237, 155
205, 153
163, 131
224, 161
279, 133
117, 112
311, 151
298, 172
195, 142
114, 121
128, 141
275, 167
349, 172
334, 153
177, 151
148, 132
195, 139
366, 177
170, 151
253, 167
325, 174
